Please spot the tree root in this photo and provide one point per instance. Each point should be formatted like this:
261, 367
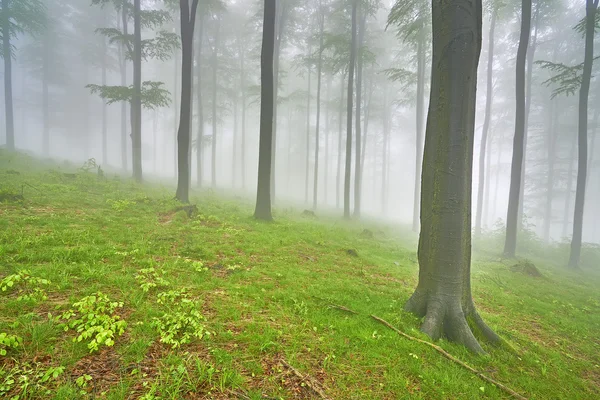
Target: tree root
306, 379
453, 359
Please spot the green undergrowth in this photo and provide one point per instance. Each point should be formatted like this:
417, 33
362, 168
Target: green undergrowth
110, 289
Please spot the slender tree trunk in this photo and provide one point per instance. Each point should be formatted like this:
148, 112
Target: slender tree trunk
510, 245
443, 295
569, 191
243, 126
488, 176
122, 23
280, 19
136, 103
8, 95
155, 141
267, 94
338, 175
188, 19
551, 154
486, 125
176, 107
421, 54
199, 104
365, 132
307, 150
215, 64
45, 95
326, 164
235, 144
350, 99
357, 126
528, 96
497, 180
319, 68
575, 256
104, 106
386, 136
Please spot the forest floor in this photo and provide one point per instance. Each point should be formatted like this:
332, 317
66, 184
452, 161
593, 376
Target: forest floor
217, 305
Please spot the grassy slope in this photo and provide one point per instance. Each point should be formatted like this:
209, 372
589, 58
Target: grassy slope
266, 296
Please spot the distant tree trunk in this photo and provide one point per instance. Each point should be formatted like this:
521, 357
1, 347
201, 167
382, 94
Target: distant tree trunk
243, 122
122, 20
486, 125
569, 191
263, 195
551, 154
349, 115
488, 176
357, 127
421, 54
528, 96
319, 68
443, 295
510, 245
497, 179
326, 164
215, 64
155, 140
307, 152
338, 175
187, 21
384, 156
199, 106
8, 95
136, 102
365, 132
590, 13
45, 95
235, 143
104, 107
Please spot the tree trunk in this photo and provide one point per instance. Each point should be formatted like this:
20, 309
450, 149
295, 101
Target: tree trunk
574, 258
307, 152
569, 190
326, 163
8, 95
528, 96
319, 68
45, 95
359, 67
349, 114
486, 126
123, 70
280, 19
243, 122
510, 245
263, 195
497, 179
386, 136
136, 102
551, 154
215, 62
199, 106
235, 143
421, 54
155, 141
338, 174
104, 106
188, 19
443, 295
365, 132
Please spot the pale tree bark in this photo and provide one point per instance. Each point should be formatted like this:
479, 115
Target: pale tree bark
122, 24
136, 102
199, 104
338, 174
350, 98
8, 95
307, 150
319, 68
486, 125
357, 125
215, 65
510, 244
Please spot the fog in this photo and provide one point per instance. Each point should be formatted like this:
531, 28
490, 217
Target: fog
53, 66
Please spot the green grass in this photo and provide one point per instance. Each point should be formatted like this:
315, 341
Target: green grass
262, 292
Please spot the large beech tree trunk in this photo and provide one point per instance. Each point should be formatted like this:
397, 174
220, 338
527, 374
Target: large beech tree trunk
510, 244
267, 95
188, 20
443, 295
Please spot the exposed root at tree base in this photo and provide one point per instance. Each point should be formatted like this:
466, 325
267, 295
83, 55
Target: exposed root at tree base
452, 358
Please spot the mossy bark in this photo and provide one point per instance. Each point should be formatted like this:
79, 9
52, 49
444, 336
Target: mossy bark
443, 295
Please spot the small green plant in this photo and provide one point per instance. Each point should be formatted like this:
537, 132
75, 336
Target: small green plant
9, 342
82, 382
181, 322
120, 205
27, 380
95, 320
149, 278
28, 287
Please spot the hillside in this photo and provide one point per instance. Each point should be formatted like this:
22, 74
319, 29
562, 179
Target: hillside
254, 310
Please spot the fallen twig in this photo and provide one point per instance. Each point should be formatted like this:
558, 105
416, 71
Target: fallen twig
452, 358
342, 308
305, 379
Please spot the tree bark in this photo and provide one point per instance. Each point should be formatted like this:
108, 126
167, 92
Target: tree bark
350, 99
486, 125
338, 174
8, 95
136, 102
326, 163
551, 154
317, 144
443, 295
357, 126
199, 106
307, 150
122, 20
386, 136
45, 96
510, 244
243, 122
569, 190
187, 21
215, 62
590, 12
263, 195
104, 106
